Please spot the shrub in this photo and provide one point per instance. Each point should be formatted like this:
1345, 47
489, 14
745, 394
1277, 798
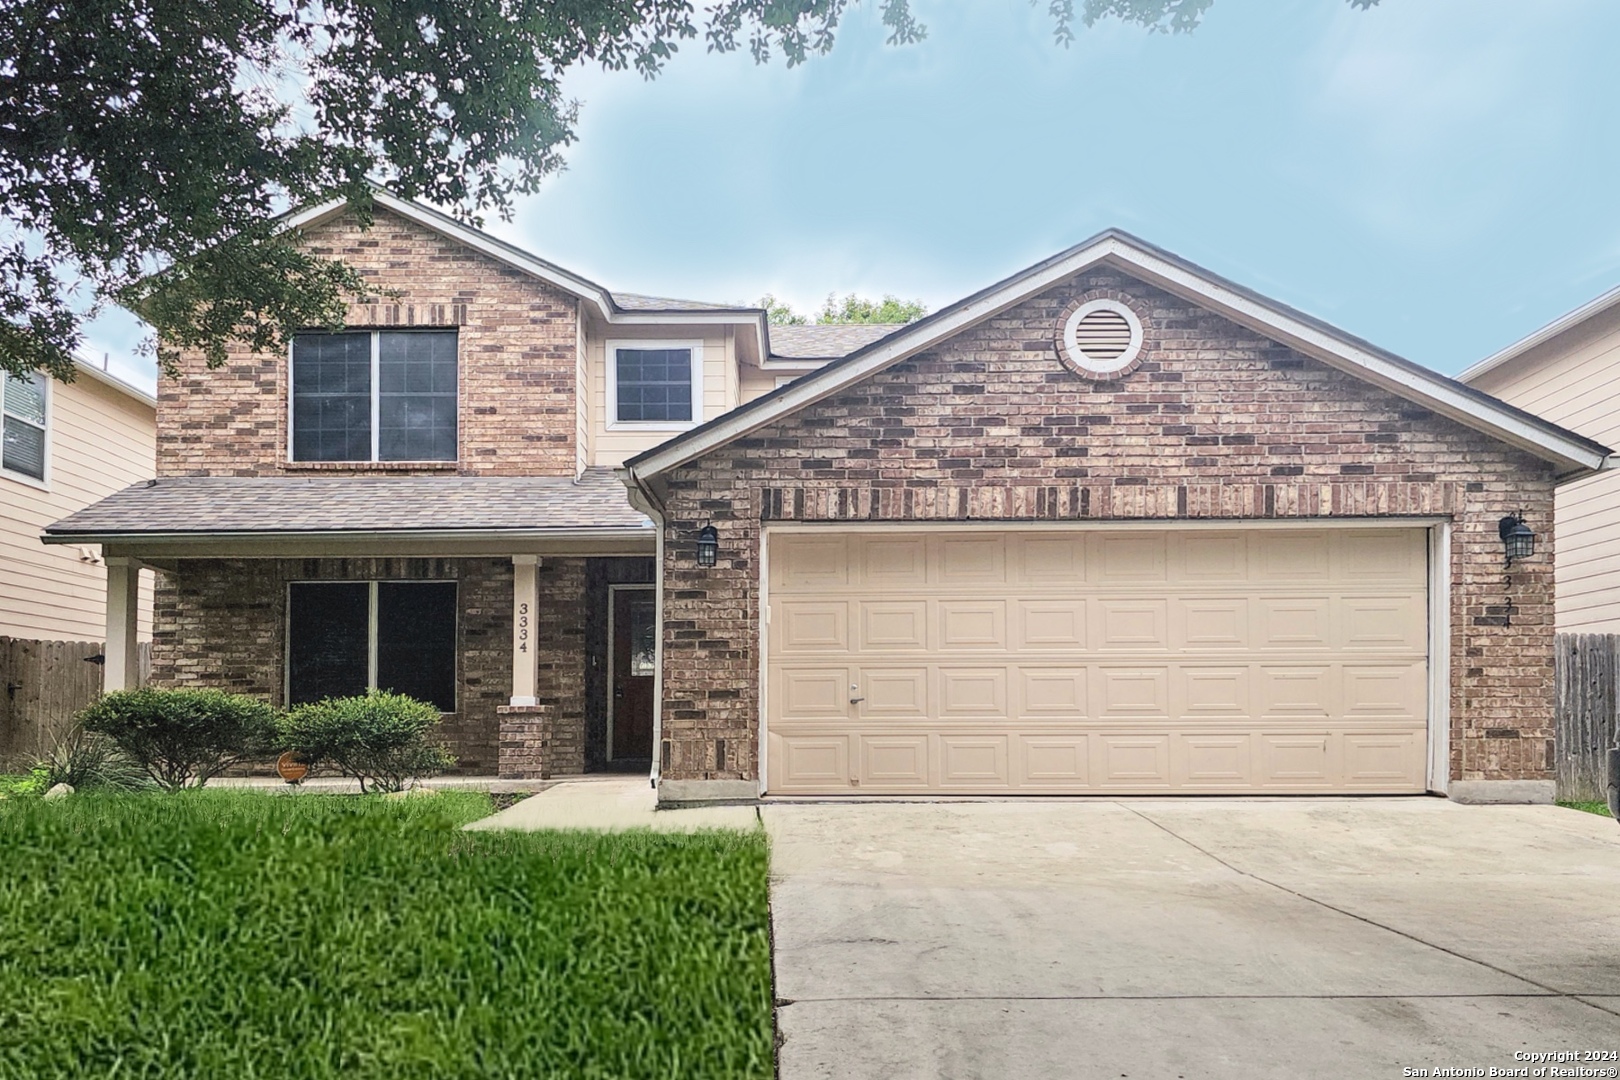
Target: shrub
85, 760
180, 736
381, 739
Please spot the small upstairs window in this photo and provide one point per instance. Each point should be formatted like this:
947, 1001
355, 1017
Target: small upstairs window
378, 395
22, 425
654, 384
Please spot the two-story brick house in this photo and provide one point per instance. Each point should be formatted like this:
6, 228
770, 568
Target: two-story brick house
1113, 524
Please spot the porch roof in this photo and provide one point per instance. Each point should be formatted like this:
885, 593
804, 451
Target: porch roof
230, 506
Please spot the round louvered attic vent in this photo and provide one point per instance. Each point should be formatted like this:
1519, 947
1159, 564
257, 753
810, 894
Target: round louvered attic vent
1101, 338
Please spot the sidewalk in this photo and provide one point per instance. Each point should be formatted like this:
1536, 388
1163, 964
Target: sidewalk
613, 803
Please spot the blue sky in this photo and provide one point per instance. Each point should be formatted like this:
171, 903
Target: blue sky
1438, 176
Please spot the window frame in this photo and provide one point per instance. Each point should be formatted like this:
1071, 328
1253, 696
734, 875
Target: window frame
376, 334
611, 363
43, 480
371, 629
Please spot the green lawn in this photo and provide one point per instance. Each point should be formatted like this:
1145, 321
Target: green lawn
1599, 808
241, 934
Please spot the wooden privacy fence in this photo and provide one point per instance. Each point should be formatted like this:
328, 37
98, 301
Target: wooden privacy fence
42, 684
1585, 672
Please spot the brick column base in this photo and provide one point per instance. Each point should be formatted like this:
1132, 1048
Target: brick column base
524, 752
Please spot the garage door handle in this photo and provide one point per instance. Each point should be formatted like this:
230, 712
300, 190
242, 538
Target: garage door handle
856, 700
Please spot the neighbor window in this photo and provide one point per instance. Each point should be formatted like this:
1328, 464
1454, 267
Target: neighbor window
22, 423
348, 637
654, 383
379, 395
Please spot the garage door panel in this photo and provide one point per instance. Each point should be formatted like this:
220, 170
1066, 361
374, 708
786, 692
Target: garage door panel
975, 559
1296, 623
1298, 760
1380, 759
1137, 558
1054, 762
893, 562
894, 761
1051, 558
1214, 761
1385, 690
1384, 555
1134, 693
1212, 558
1043, 660
1132, 625
1292, 557
893, 625
1298, 690
976, 693
974, 761
893, 693
809, 626
1212, 624
1135, 761
1396, 623
1052, 693
810, 562
809, 762
1056, 624
972, 625
810, 693
1212, 691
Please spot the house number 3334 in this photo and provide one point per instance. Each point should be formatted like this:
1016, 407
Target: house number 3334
523, 628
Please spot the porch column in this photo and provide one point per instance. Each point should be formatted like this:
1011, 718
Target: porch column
523, 644
122, 653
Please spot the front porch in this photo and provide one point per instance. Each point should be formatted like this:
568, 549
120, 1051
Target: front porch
526, 612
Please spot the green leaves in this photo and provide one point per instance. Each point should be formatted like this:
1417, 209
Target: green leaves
381, 739
182, 736
228, 933
858, 309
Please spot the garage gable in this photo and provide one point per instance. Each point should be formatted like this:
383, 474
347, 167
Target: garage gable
1117, 260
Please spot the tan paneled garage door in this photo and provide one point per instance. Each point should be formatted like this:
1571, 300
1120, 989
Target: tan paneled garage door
1042, 661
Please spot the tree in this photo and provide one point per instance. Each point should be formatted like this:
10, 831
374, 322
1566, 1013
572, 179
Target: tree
780, 312
858, 309
147, 146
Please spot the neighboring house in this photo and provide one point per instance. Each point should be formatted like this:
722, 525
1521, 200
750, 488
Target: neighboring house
66, 445
1569, 372
1112, 525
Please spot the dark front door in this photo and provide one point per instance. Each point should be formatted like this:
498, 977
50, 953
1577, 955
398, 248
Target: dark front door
635, 657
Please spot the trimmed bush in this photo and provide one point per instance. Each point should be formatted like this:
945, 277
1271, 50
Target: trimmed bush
381, 739
183, 736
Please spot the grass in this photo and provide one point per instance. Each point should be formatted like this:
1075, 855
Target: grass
247, 935
1599, 808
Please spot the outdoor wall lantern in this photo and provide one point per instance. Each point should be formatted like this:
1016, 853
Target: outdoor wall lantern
708, 546
1517, 540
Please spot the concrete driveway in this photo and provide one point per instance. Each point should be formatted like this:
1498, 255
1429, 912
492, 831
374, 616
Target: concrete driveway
1191, 938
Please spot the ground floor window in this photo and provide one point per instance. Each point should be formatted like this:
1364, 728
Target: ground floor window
347, 637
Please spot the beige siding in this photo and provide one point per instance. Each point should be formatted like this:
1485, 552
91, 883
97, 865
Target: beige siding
1574, 380
754, 383
99, 440
611, 446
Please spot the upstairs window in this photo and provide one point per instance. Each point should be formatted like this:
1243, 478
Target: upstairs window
22, 425
379, 395
654, 384
347, 637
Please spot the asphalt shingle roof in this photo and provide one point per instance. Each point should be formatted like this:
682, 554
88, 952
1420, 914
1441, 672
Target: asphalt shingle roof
640, 302
826, 342
227, 504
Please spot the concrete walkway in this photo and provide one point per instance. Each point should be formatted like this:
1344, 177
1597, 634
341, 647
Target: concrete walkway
1192, 938
613, 803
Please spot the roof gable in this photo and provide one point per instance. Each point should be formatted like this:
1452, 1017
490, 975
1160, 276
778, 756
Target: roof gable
1571, 453
1557, 328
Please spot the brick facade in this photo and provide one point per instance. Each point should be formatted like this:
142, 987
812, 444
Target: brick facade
1216, 422
222, 623
518, 340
